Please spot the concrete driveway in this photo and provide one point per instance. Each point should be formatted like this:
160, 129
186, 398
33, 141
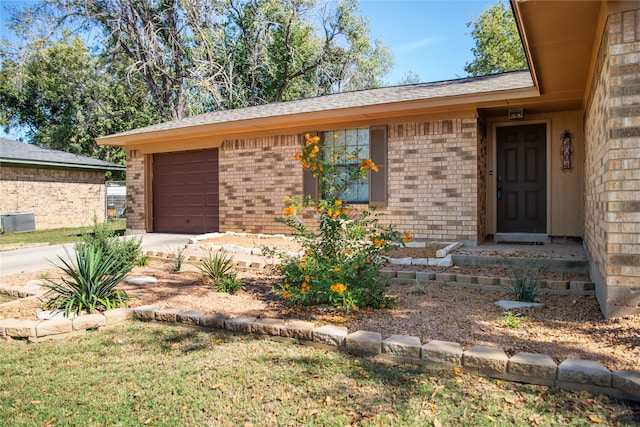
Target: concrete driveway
40, 258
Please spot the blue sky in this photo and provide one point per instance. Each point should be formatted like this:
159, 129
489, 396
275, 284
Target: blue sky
428, 37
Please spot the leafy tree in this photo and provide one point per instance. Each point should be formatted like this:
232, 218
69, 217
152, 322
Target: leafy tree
195, 56
498, 47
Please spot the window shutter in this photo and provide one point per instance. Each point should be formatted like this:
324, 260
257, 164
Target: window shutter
378, 152
309, 182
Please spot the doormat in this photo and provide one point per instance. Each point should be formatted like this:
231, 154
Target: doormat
504, 242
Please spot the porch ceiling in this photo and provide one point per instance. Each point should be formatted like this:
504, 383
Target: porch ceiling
560, 43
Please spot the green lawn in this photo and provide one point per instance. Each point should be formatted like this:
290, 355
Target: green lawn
54, 236
159, 375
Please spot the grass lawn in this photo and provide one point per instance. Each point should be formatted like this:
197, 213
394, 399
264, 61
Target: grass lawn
161, 375
54, 236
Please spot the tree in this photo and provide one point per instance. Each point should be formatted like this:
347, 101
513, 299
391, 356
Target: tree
498, 47
65, 97
198, 55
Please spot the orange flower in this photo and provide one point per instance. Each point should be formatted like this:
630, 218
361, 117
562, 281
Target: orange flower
302, 264
313, 152
307, 278
288, 211
298, 157
355, 267
337, 269
338, 203
368, 164
379, 242
407, 237
338, 288
285, 295
348, 251
304, 288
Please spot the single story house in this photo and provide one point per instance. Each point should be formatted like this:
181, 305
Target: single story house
553, 152
61, 189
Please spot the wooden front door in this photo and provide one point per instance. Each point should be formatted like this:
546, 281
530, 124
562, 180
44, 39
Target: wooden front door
522, 179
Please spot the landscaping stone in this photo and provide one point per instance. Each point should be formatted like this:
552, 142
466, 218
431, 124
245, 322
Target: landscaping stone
627, 382
466, 278
142, 280
425, 276
118, 315
532, 365
364, 342
402, 345
506, 281
330, 335
89, 321
446, 352
169, 314
388, 273
239, 324
445, 277
441, 262
580, 371
486, 280
420, 261
406, 275
53, 315
485, 359
557, 284
145, 313
400, 261
441, 253
268, 326
190, 317
510, 305
16, 328
214, 320
576, 285
298, 329
54, 327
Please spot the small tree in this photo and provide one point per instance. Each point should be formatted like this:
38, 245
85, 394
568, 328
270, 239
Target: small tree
342, 259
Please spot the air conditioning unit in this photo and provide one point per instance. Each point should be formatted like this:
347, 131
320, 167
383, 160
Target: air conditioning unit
18, 221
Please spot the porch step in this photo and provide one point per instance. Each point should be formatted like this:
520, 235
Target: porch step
547, 264
522, 237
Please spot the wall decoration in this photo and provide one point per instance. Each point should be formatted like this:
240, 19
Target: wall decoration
566, 151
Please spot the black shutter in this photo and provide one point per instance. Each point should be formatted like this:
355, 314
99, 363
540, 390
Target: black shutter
378, 152
309, 182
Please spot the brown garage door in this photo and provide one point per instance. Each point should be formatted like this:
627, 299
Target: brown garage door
185, 192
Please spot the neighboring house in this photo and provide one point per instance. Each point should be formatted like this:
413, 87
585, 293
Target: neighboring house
549, 153
60, 189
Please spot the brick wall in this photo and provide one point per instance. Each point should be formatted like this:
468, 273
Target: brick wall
255, 176
435, 179
135, 191
57, 197
612, 168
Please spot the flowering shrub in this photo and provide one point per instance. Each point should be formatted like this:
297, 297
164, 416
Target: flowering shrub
342, 258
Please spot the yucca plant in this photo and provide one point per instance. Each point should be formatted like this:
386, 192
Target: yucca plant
90, 283
216, 265
229, 284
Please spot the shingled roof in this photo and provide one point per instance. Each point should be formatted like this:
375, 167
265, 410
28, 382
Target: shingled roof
363, 98
20, 153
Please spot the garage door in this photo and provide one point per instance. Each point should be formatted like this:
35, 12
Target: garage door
185, 192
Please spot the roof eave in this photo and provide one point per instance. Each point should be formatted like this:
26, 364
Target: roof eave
59, 165
343, 114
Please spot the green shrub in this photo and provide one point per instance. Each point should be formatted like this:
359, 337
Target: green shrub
511, 321
343, 256
229, 284
216, 265
525, 281
90, 283
177, 257
124, 252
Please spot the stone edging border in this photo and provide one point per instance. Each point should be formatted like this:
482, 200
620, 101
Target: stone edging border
528, 368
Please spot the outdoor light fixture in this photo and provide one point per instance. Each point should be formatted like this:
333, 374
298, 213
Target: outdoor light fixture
516, 113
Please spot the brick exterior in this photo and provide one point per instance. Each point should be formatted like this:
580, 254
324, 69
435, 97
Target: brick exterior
135, 191
612, 168
57, 197
435, 180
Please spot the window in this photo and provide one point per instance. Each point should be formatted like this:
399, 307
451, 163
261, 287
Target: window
338, 144
368, 143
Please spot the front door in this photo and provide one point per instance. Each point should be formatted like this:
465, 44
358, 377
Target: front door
522, 179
